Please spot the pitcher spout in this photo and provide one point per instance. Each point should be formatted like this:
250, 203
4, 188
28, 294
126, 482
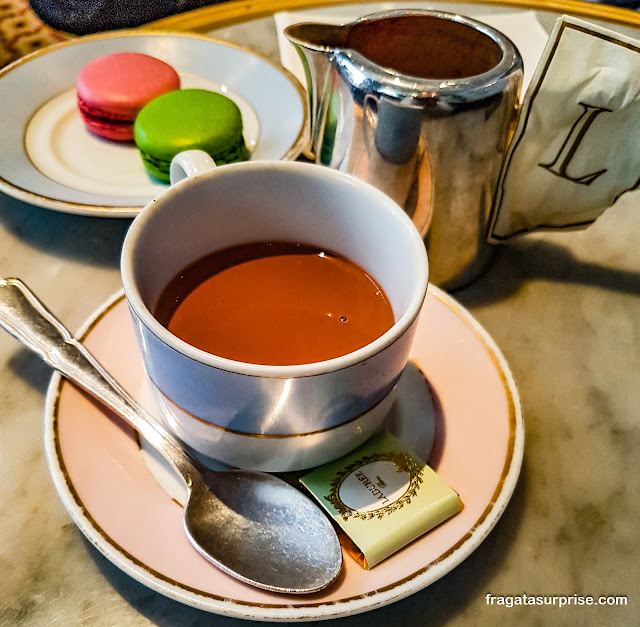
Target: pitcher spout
316, 45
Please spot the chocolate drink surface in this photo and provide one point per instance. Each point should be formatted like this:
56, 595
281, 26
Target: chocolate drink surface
275, 303
425, 46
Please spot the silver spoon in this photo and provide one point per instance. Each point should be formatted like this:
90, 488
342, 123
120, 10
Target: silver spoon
251, 525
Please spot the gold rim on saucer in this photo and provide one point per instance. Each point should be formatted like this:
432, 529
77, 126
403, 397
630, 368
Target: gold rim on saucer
315, 609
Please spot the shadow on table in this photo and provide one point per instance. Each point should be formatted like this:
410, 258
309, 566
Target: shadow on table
98, 241
525, 260
435, 605
86, 239
31, 369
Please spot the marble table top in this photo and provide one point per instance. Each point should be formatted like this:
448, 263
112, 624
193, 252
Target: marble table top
563, 307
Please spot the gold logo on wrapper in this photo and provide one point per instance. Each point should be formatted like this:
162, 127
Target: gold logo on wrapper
375, 485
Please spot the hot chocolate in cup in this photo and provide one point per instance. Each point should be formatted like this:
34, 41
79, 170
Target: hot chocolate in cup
256, 415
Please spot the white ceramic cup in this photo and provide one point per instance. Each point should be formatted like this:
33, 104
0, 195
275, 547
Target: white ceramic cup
272, 418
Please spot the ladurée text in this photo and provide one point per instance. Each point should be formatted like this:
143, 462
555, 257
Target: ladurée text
371, 486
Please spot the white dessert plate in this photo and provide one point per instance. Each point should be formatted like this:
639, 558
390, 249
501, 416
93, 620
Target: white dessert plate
118, 500
51, 160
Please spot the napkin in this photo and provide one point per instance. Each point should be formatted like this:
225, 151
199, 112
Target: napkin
576, 147
522, 27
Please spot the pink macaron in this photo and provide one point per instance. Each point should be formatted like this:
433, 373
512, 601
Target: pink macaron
112, 90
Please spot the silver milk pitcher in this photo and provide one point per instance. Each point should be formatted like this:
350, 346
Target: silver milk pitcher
421, 104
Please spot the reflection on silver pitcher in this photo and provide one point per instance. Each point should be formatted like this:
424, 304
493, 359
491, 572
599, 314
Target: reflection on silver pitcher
422, 105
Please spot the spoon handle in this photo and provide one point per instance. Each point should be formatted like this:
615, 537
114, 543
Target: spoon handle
31, 323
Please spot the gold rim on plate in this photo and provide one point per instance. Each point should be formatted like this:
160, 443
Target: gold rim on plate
66, 206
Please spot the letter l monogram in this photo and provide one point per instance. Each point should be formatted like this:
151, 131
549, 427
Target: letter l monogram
568, 149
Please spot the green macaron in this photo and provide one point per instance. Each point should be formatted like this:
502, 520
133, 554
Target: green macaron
189, 119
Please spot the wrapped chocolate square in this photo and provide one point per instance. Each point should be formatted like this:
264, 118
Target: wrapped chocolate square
576, 147
382, 496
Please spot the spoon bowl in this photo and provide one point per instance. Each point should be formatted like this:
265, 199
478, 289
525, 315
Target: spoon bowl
252, 525
302, 553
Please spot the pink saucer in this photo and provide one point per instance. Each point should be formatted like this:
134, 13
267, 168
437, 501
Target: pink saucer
102, 478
